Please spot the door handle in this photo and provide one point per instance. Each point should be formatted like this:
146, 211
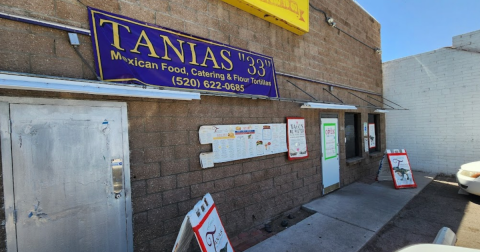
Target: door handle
117, 177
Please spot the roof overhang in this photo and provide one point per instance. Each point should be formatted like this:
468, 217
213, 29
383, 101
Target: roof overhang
318, 105
54, 84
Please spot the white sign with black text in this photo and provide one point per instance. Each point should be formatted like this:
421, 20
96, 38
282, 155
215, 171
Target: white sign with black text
235, 142
296, 138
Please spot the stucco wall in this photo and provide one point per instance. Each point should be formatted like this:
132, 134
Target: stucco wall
440, 89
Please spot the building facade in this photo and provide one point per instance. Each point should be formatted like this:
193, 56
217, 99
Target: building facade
162, 172
439, 89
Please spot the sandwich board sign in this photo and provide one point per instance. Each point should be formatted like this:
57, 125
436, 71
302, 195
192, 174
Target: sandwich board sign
383, 173
400, 169
204, 222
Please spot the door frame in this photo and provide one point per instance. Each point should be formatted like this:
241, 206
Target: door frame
331, 116
7, 165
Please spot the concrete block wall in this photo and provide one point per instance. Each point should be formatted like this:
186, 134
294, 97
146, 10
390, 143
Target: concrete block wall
166, 177
440, 89
468, 41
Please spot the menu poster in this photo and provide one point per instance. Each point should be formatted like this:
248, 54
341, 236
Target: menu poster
296, 138
234, 142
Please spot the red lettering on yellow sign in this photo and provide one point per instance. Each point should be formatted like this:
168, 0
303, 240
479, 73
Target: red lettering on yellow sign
290, 5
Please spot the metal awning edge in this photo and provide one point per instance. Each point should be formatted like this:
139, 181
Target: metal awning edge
15, 81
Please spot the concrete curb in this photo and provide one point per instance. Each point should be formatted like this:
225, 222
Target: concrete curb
445, 236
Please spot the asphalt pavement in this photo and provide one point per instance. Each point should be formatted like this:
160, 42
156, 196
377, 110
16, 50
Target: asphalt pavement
438, 205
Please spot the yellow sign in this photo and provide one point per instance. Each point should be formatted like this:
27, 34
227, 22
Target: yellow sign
292, 15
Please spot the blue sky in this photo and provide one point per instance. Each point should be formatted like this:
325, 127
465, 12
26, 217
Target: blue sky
411, 27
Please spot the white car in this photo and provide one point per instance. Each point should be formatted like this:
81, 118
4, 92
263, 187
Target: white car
444, 242
435, 248
468, 177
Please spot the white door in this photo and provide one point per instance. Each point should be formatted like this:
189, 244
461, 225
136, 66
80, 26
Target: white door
62, 158
330, 158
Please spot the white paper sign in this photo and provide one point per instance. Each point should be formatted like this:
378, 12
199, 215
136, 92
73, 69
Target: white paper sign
234, 142
296, 138
206, 159
330, 140
205, 134
365, 129
371, 135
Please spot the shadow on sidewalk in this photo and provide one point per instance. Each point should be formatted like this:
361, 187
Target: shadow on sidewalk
438, 205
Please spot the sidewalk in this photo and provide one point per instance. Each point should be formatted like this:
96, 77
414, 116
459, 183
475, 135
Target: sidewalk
345, 220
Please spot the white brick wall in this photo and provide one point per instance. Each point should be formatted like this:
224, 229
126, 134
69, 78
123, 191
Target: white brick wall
441, 89
468, 41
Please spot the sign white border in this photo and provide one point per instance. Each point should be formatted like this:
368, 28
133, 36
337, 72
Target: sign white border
296, 138
241, 141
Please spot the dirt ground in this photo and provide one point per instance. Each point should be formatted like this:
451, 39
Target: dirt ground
248, 239
298, 216
438, 205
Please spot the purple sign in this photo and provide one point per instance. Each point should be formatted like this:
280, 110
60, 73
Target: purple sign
131, 51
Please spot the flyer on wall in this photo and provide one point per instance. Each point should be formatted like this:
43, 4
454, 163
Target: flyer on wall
296, 138
371, 135
330, 140
234, 142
